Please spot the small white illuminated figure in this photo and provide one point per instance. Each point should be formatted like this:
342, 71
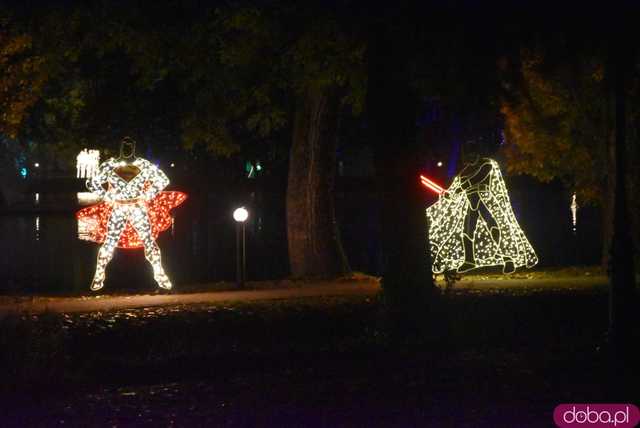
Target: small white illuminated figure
472, 224
574, 211
135, 210
87, 163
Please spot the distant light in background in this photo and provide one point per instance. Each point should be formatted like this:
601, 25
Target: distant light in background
37, 228
87, 163
251, 169
574, 212
173, 165
37, 198
23, 172
37, 165
439, 163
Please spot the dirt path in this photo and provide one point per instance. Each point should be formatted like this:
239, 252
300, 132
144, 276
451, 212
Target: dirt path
109, 302
367, 286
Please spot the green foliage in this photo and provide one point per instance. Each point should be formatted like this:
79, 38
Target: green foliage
325, 57
271, 62
211, 132
21, 77
558, 121
230, 72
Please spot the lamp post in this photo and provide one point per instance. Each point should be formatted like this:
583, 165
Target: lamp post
240, 215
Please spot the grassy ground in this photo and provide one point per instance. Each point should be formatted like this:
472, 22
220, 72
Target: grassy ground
485, 359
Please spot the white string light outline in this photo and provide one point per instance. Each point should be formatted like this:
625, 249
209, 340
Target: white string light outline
495, 239
574, 212
128, 200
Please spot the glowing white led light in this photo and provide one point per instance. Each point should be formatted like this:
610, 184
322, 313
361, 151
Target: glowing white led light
128, 201
87, 198
439, 163
87, 163
472, 224
37, 165
574, 211
241, 214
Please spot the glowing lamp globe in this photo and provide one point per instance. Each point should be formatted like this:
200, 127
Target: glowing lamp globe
241, 214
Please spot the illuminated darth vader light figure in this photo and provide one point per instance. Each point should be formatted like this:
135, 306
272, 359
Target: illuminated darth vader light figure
133, 213
472, 224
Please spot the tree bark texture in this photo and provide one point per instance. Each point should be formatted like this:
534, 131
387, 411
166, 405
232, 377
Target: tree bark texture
315, 249
391, 110
622, 272
608, 199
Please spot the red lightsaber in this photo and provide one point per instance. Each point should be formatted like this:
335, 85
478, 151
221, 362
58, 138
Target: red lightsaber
431, 185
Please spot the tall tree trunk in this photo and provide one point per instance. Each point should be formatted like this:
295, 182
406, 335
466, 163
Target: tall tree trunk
622, 270
391, 109
608, 199
315, 249
622, 297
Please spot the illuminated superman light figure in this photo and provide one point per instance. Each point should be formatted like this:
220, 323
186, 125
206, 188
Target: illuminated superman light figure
472, 224
134, 211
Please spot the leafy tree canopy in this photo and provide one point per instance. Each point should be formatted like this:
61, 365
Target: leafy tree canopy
21, 77
558, 115
208, 77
